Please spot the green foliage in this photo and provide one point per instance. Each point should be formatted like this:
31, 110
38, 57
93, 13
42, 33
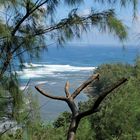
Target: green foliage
116, 25
27, 116
62, 120
110, 73
11, 97
85, 131
122, 2
118, 117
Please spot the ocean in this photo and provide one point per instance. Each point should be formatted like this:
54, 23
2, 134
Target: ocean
69, 63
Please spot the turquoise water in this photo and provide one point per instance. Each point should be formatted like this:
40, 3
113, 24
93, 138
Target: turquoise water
73, 63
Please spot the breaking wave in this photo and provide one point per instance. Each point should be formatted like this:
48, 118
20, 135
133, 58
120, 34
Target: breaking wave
42, 70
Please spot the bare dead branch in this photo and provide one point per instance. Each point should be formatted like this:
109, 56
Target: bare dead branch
67, 86
50, 96
101, 98
69, 99
84, 85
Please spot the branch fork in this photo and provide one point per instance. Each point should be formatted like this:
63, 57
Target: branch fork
69, 99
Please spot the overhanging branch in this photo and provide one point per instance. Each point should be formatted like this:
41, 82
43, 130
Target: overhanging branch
26, 16
50, 96
101, 98
69, 99
84, 85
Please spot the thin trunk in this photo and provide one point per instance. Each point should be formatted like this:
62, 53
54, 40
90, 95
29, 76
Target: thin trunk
73, 128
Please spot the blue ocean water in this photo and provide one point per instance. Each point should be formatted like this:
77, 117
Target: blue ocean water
88, 55
69, 63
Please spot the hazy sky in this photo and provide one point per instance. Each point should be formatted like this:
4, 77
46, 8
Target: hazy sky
95, 37
98, 38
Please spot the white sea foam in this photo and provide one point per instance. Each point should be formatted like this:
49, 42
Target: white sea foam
29, 65
22, 87
40, 70
41, 82
53, 83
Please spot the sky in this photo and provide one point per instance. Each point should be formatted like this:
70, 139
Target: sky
99, 38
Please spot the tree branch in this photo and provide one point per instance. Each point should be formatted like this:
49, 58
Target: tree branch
28, 49
25, 17
69, 99
50, 96
84, 85
67, 86
77, 20
101, 98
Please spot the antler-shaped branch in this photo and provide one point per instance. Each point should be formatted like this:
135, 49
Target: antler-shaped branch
69, 99
50, 96
101, 98
84, 85
67, 86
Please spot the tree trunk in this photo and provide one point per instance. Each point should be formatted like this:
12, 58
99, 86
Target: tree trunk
72, 128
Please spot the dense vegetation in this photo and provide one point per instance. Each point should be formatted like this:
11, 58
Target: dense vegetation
118, 117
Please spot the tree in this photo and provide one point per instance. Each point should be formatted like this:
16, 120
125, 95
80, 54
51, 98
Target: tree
77, 115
